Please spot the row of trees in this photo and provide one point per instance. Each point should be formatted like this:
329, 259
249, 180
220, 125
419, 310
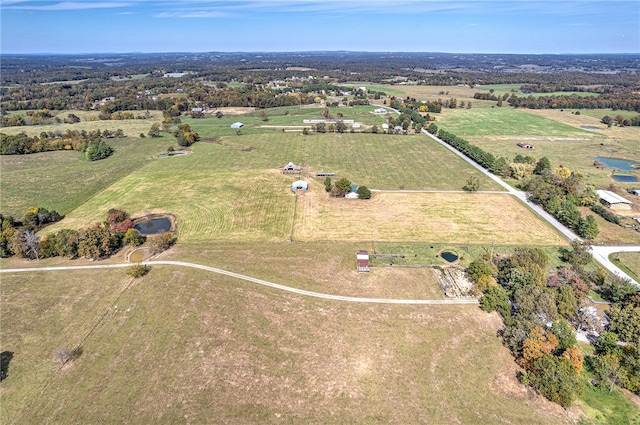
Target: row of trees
482, 157
343, 186
560, 192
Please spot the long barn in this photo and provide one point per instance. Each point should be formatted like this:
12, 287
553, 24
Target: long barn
613, 200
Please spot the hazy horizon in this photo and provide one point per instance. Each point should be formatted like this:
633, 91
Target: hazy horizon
407, 26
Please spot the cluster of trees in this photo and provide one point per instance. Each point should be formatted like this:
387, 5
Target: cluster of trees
482, 157
538, 317
560, 192
18, 237
541, 312
96, 241
343, 186
621, 121
91, 143
185, 136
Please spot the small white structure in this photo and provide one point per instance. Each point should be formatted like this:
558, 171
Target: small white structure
613, 200
237, 125
385, 126
299, 185
352, 195
380, 111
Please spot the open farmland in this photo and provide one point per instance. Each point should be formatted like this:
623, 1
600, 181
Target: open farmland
63, 180
228, 350
432, 217
89, 122
555, 134
234, 189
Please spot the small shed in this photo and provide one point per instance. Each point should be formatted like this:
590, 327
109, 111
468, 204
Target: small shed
299, 185
237, 125
613, 200
634, 192
362, 260
380, 111
291, 168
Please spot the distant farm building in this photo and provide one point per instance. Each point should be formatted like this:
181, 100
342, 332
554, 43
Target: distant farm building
362, 260
634, 192
291, 168
174, 74
237, 125
613, 200
380, 111
526, 146
353, 193
299, 185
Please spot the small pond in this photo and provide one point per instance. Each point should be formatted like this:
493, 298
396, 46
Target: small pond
154, 225
170, 154
449, 256
626, 178
618, 164
590, 128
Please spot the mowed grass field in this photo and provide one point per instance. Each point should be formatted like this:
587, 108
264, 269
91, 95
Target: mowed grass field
234, 190
62, 180
232, 352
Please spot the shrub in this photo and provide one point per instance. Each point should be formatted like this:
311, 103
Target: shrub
138, 270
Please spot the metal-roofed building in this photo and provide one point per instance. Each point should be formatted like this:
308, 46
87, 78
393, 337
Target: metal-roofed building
613, 200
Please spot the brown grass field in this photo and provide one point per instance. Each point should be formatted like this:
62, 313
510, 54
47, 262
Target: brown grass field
230, 352
433, 217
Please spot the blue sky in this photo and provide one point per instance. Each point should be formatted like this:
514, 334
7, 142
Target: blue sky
455, 26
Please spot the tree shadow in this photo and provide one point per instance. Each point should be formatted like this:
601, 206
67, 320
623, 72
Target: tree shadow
5, 359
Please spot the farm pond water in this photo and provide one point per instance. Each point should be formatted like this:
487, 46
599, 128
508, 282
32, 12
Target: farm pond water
626, 178
449, 256
623, 165
153, 226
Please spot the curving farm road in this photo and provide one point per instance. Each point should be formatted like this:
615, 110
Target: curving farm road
254, 280
600, 253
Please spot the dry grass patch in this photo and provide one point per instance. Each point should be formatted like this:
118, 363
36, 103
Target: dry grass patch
182, 347
435, 217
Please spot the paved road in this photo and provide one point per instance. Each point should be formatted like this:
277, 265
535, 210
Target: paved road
254, 280
600, 253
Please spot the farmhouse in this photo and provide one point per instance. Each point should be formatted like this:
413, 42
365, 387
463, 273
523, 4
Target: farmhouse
291, 168
525, 146
237, 125
613, 200
299, 184
362, 261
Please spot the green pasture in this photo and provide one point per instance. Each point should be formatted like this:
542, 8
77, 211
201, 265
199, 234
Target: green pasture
64, 180
555, 134
426, 253
629, 262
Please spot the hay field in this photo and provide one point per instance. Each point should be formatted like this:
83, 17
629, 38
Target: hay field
434, 217
238, 353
